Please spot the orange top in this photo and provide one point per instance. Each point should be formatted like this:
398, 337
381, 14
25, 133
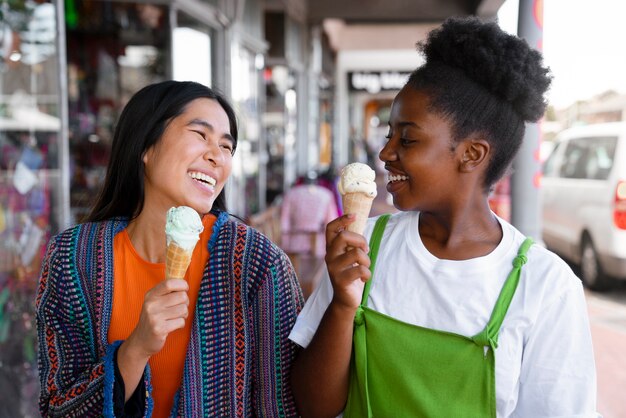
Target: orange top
133, 277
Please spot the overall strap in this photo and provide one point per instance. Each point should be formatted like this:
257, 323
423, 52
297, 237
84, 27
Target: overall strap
359, 367
489, 336
375, 239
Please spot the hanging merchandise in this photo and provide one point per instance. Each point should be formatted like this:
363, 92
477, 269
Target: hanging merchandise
38, 39
4, 318
3, 220
25, 176
24, 179
31, 156
30, 240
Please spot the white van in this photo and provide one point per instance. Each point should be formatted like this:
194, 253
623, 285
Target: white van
584, 201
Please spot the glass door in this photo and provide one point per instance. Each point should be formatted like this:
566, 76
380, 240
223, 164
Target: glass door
30, 187
113, 50
192, 46
248, 175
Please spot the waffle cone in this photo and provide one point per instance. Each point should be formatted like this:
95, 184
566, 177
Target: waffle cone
177, 261
359, 204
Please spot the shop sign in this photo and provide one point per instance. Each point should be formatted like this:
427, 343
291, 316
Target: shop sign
377, 81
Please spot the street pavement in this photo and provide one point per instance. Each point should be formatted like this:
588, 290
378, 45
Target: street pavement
607, 317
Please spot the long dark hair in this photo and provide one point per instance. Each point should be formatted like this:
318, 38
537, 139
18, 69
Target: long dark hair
141, 126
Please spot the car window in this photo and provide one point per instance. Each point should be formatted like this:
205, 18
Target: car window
574, 160
582, 158
550, 168
600, 158
585, 158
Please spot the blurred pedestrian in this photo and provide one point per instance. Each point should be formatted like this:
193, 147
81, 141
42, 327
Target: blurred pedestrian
461, 315
329, 179
306, 209
115, 338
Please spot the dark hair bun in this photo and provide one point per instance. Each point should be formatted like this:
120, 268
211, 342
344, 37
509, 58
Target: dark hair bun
504, 64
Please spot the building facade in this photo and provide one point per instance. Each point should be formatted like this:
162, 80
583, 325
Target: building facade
67, 68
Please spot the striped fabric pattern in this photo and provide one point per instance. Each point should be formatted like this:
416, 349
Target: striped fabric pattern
238, 359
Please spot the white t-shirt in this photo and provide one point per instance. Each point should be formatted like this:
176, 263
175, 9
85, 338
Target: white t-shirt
544, 359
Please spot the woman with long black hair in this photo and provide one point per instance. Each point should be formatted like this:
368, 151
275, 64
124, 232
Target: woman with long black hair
115, 338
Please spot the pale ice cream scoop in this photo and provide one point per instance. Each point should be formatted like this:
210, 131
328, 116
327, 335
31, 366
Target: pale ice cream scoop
358, 178
357, 187
183, 226
182, 230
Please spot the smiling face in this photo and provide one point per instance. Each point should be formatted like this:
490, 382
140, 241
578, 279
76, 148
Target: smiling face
420, 155
192, 161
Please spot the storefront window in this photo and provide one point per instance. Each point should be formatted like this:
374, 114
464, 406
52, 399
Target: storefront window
29, 187
192, 50
114, 49
277, 84
245, 95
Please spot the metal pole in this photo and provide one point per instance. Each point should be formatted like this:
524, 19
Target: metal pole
525, 181
64, 217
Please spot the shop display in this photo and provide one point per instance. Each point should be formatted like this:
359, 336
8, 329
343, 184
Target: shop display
54, 154
29, 182
114, 49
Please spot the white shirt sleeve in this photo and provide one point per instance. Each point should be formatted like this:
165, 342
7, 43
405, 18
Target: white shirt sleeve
558, 376
311, 315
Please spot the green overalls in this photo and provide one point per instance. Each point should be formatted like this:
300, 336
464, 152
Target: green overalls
403, 370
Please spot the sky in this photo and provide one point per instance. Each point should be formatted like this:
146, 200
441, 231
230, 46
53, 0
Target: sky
584, 44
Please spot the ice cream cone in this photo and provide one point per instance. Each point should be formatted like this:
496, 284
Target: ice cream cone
357, 186
182, 231
177, 261
359, 204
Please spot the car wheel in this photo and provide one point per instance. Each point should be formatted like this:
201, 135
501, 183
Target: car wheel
590, 269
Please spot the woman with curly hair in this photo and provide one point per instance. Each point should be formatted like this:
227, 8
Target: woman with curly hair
449, 311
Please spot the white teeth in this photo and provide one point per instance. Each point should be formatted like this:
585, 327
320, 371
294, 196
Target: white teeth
393, 177
202, 177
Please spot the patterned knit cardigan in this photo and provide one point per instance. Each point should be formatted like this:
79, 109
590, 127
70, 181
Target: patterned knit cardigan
238, 358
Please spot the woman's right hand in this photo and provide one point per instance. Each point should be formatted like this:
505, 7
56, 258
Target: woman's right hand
165, 309
347, 262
